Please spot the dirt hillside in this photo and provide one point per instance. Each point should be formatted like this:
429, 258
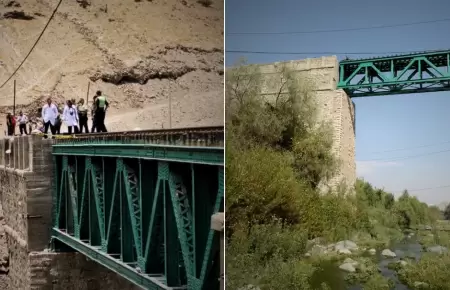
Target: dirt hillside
140, 53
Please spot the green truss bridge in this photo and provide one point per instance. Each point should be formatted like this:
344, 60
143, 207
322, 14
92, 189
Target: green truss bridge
399, 74
140, 203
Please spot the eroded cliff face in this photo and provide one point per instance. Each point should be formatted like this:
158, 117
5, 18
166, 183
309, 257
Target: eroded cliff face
138, 52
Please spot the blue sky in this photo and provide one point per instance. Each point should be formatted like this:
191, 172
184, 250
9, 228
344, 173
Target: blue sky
383, 123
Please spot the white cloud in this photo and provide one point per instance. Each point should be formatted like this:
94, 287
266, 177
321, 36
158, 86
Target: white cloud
366, 167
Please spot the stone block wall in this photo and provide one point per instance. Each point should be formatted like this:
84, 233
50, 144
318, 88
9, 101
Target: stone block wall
334, 106
26, 175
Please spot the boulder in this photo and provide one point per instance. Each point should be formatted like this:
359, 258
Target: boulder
347, 267
352, 246
388, 253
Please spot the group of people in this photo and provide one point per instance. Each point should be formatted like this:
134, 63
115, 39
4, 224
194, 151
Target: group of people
74, 115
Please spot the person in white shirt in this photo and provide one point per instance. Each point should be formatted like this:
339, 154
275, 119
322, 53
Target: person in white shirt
49, 114
70, 116
22, 120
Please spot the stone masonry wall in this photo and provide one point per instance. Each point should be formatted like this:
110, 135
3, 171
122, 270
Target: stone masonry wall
63, 271
26, 175
334, 106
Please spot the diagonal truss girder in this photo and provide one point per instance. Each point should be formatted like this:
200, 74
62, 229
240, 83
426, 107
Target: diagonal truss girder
400, 74
119, 214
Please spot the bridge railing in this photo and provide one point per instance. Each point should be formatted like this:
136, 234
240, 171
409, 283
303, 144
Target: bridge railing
199, 137
17, 152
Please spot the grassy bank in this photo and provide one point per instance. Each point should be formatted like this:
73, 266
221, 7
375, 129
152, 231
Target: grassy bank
277, 157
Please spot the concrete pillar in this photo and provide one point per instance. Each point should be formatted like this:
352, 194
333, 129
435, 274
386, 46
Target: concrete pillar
217, 224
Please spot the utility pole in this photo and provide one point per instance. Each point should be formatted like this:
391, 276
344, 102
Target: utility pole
14, 100
170, 111
87, 95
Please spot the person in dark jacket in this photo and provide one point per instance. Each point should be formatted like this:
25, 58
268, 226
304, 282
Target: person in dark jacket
83, 116
101, 105
10, 124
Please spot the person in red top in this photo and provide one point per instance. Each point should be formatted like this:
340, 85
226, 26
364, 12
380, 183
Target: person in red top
11, 124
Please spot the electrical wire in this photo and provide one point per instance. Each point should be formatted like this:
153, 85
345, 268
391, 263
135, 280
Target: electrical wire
420, 189
323, 53
406, 157
409, 148
340, 30
34, 45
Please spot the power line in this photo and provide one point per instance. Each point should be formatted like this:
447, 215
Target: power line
340, 30
321, 53
408, 148
407, 157
420, 189
34, 45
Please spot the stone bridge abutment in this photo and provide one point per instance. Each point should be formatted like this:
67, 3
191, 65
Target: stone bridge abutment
334, 106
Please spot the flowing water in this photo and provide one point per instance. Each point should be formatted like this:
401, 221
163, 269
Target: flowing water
330, 274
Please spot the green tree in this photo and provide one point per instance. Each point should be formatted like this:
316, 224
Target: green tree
447, 212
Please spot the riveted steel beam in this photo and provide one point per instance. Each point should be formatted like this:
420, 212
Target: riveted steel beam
400, 74
187, 154
148, 219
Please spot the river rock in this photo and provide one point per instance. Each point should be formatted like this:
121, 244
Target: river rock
437, 249
372, 251
421, 285
344, 251
402, 263
351, 261
349, 245
347, 267
388, 253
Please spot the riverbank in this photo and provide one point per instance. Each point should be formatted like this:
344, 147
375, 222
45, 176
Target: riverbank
407, 263
420, 260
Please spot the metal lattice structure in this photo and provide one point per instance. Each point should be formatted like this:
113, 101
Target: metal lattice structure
399, 74
142, 209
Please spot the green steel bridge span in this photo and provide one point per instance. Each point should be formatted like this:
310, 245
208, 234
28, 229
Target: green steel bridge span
140, 203
420, 72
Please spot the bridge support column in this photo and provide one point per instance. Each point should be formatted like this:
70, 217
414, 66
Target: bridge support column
26, 181
217, 224
321, 75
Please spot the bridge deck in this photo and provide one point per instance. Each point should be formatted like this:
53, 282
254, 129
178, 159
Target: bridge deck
142, 209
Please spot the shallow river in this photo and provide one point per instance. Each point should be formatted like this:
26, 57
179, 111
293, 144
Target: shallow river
407, 248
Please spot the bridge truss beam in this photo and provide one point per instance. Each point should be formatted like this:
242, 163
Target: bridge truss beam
146, 218
392, 75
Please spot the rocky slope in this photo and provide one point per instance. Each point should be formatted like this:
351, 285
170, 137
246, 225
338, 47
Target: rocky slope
143, 54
